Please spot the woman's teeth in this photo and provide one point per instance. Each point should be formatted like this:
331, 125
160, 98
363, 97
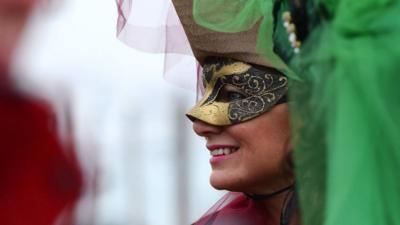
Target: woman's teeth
223, 151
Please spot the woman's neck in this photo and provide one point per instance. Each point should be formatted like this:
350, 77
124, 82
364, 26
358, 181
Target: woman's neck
277, 208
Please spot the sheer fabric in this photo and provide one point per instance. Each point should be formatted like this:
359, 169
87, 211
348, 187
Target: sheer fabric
153, 26
228, 16
234, 209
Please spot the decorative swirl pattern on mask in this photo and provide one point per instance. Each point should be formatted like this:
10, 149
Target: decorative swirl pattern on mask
243, 109
263, 90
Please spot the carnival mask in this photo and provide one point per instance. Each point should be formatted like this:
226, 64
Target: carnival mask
236, 91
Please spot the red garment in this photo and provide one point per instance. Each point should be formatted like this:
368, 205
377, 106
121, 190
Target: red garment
37, 179
235, 209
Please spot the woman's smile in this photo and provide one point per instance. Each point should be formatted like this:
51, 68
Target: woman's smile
220, 153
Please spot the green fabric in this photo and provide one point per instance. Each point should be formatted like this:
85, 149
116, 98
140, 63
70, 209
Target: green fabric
345, 108
235, 16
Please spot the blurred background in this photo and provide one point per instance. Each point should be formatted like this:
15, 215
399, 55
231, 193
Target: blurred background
140, 160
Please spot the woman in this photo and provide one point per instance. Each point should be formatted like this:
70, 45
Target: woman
244, 118
346, 108
243, 115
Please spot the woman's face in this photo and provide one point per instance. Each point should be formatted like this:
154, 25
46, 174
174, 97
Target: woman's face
257, 157
246, 129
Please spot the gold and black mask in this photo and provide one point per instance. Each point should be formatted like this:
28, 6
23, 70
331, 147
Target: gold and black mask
236, 91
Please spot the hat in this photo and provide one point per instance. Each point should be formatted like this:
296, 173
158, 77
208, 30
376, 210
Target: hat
240, 46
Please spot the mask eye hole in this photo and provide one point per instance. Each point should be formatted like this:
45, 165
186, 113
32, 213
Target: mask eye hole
230, 93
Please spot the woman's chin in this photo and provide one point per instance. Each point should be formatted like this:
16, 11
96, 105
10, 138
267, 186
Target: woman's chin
221, 182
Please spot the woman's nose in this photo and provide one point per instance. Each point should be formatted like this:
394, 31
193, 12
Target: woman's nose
204, 129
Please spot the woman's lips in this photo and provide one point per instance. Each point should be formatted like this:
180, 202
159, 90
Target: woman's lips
221, 152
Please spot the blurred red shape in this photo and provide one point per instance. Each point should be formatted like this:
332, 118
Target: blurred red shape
39, 177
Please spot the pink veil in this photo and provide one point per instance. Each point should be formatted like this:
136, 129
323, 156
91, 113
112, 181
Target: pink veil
153, 26
234, 208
